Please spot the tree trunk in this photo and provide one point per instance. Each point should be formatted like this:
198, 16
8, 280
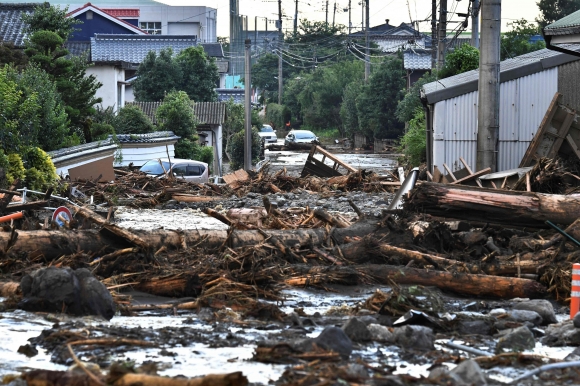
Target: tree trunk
526, 209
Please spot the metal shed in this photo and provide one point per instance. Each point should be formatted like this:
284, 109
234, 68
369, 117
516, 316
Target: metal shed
528, 84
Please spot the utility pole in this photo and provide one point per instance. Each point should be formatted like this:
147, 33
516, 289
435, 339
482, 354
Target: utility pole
256, 34
488, 113
248, 108
442, 34
349, 21
367, 47
326, 12
433, 33
334, 14
280, 42
296, 19
475, 23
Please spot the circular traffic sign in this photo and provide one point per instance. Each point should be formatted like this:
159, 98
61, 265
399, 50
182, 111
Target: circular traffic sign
61, 216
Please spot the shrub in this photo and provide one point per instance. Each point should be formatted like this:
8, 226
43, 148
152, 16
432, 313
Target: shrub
413, 142
236, 149
132, 120
277, 115
15, 168
100, 131
40, 172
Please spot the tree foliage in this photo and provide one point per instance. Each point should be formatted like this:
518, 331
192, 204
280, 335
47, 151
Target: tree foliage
277, 115
132, 120
552, 10
413, 143
462, 59
517, 41
348, 110
236, 149
407, 107
11, 55
233, 123
50, 18
377, 103
192, 71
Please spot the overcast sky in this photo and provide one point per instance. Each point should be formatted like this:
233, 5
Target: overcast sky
396, 10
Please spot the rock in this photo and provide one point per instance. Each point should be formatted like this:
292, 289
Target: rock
518, 339
562, 334
64, 290
355, 370
442, 376
335, 339
414, 337
368, 319
28, 350
381, 333
356, 330
576, 320
479, 327
470, 373
573, 356
541, 306
281, 201
521, 316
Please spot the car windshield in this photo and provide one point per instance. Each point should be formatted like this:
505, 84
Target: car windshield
304, 135
267, 129
153, 167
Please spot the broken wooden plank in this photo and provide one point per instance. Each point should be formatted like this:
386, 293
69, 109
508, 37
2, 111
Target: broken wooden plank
470, 171
472, 176
449, 172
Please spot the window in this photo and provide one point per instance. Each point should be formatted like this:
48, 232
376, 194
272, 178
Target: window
151, 27
195, 170
179, 171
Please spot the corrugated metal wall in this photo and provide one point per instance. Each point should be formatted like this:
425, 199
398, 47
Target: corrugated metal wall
523, 103
568, 81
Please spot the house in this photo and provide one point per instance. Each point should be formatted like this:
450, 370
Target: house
154, 17
417, 63
97, 21
136, 149
561, 33
117, 57
210, 117
88, 160
527, 85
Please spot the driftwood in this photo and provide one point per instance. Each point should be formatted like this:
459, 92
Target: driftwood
231, 379
524, 209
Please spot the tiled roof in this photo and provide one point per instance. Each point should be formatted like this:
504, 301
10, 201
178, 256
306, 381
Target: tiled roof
207, 113
157, 136
61, 155
11, 25
564, 25
78, 48
222, 66
415, 60
394, 43
122, 12
514, 68
224, 94
213, 49
134, 48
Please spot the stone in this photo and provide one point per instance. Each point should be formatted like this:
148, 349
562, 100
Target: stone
368, 319
573, 356
478, 327
335, 339
523, 316
543, 307
281, 201
516, 340
64, 290
441, 375
381, 333
470, 373
28, 350
562, 334
414, 337
576, 320
357, 371
356, 330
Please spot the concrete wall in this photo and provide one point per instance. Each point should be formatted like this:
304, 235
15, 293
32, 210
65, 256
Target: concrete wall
109, 76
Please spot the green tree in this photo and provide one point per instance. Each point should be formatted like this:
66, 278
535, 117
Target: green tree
462, 59
378, 101
348, 110
517, 42
50, 18
157, 75
11, 55
132, 120
200, 74
235, 149
406, 109
413, 143
265, 76
233, 123
552, 10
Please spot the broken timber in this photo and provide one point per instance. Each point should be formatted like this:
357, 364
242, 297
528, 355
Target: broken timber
525, 209
316, 167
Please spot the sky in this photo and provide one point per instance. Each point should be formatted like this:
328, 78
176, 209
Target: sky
397, 11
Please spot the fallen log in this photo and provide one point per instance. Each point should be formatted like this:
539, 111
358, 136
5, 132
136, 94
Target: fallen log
461, 283
526, 209
231, 379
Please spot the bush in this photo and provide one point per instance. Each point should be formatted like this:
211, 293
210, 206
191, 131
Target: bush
132, 120
40, 172
15, 168
236, 149
413, 142
191, 149
277, 115
100, 131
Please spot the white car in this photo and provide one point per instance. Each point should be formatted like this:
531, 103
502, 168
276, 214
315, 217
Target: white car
268, 134
190, 170
300, 136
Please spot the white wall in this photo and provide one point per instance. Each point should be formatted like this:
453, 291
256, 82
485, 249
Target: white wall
109, 76
129, 95
199, 21
523, 103
139, 155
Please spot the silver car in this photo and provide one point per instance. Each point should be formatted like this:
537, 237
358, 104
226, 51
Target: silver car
268, 134
300, 136
190, 170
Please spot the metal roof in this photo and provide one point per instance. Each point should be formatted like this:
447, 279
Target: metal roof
11, 25
510, 69
414, 60
564, 26
134, 48
207, 113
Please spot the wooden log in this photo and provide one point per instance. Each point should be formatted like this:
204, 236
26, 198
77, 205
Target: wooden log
9, 289
231, 379
115, 229
323, 215
182, 197
526, 209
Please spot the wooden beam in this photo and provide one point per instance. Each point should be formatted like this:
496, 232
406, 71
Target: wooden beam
472, 176
562, 132
573, 145
449, 172
469, 171
318, 149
